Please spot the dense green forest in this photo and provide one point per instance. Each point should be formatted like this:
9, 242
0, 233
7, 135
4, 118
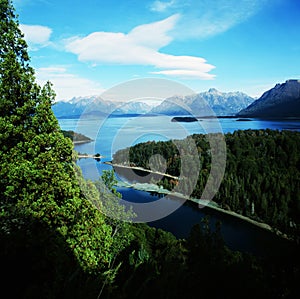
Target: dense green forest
56, 240
262, 176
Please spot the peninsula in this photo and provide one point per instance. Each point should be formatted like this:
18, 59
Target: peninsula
142, 170
77, 138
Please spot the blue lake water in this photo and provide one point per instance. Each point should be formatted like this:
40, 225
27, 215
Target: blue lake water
111, 134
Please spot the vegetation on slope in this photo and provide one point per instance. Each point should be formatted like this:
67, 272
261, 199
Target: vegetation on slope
262, 177
41, 188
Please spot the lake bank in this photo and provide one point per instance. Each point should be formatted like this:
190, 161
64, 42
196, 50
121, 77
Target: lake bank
146, 187
142, 170
80, 156
82, 141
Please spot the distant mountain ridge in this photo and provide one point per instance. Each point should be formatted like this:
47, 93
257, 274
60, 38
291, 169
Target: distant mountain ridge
283, 100
199, 104
96, 106
205, 103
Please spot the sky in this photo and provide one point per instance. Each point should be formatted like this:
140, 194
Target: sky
87, 47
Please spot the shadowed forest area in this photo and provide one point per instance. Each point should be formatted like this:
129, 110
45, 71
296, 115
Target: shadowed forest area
262, 175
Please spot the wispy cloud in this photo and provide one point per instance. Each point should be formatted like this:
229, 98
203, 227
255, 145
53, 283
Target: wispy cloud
185, 74
206, 18
66, 84
161, 6
141, 46
36, 36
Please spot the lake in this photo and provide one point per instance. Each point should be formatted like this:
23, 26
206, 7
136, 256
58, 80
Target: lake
113, 133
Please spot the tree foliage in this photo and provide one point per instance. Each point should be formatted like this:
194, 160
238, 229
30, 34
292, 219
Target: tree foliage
38, 178
262, 177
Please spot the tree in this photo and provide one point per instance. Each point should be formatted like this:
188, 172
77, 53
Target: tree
18, 92
117, 215
37, 174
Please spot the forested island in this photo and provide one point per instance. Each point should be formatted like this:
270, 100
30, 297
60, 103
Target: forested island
184, 119
57, 240
262, 176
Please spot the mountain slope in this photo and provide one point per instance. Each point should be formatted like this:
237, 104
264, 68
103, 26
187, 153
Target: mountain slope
281, 101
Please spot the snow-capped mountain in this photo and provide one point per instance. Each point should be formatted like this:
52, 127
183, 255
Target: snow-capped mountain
95, 105
205, 103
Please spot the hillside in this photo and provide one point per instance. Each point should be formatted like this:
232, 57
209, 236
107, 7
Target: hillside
257, 182
281, 101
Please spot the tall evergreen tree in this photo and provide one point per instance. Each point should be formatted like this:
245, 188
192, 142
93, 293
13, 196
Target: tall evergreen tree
37, 177
18, 91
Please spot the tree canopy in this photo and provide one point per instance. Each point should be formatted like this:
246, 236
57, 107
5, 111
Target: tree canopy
38, 177
262, 176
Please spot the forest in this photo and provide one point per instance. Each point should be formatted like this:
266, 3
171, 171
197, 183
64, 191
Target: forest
262, 175
57, 240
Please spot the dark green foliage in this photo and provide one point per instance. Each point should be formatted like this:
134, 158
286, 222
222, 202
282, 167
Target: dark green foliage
152, 263
38, 177
156, 265
36, 262
118, 218
262, 177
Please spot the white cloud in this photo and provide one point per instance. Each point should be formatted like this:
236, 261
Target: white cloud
206, 18
139, 47
36, 35
160, 6
67, 85
186, 74
154, 35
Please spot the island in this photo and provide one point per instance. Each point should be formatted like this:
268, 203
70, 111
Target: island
244, 119
184, 119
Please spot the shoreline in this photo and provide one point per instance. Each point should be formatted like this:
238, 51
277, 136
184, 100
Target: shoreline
141, 169
204, 203
89, 156
82, 141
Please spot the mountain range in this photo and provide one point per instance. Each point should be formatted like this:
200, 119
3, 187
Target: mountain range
199, 104
212, 102
96, 106
281, 101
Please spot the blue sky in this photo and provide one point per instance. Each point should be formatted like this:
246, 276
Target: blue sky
86, 47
